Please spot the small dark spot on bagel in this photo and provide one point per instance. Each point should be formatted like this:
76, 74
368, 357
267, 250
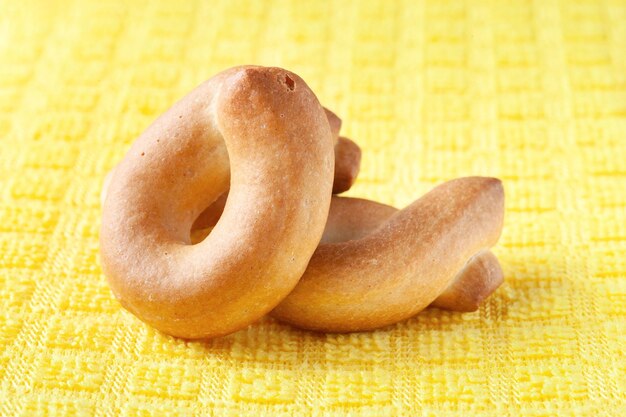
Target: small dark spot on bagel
282, 115
291, 84
180, 117
143, 153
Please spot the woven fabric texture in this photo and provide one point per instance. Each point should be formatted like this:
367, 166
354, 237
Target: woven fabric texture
531, 92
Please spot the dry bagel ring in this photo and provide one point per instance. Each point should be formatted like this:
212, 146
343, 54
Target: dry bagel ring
347, 156
478, 279
401, 267
355, 218
334, 121
280, 147
347, 164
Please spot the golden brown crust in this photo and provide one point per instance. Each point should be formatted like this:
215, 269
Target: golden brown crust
347, 164
402, 266
473, 284
347, 156
352, 218
334, 121
278, 142
355, 218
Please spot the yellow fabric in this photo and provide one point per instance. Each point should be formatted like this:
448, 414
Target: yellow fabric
531, 92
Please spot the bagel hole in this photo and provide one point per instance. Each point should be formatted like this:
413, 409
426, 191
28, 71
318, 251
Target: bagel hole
198, 235
290, 83
207, 220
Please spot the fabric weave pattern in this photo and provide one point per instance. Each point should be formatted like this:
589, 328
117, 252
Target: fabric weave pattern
531, 92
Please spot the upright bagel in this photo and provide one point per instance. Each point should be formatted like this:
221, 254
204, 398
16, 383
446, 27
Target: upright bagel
278, 157
403, 264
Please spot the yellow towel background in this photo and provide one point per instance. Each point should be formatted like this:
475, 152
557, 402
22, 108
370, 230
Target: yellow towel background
531, 92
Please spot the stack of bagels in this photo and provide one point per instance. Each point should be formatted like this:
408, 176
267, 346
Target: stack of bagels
223, 211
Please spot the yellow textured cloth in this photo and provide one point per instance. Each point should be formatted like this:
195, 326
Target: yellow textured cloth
531, 92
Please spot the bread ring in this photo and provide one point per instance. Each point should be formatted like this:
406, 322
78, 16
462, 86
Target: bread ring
280, 147
355, 218
478, 279
347, 164
347, 156
400, 267
334, 121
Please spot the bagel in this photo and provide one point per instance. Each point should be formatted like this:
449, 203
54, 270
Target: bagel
261, 132
347, 156
399, 267
347, 164
355, 218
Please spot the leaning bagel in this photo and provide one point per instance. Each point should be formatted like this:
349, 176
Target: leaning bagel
404, 264
278, 160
